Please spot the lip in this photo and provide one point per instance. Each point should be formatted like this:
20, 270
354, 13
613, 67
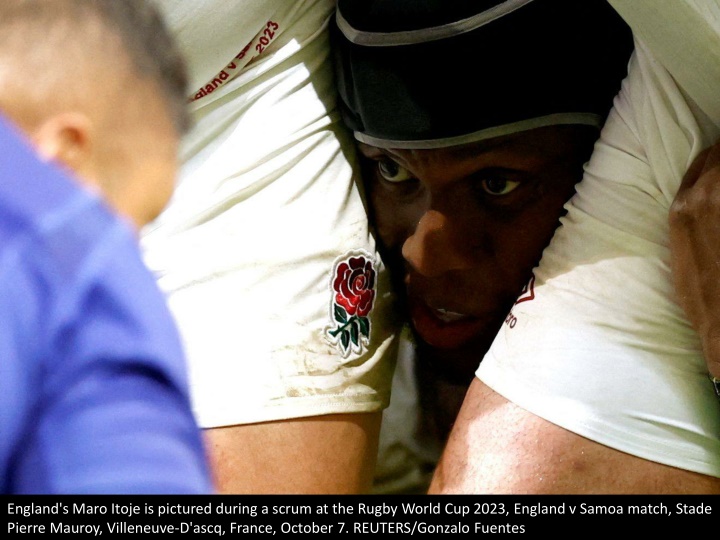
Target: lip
444, 329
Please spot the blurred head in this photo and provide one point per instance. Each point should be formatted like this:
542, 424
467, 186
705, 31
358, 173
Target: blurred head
99, 87
474, 120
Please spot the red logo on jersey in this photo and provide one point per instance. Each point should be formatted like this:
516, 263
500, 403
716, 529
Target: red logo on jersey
528, 291
354, 294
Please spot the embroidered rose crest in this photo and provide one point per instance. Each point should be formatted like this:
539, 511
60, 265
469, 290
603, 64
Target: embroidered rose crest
354, 293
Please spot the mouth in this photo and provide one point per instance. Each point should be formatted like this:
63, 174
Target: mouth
445, 328
447, 316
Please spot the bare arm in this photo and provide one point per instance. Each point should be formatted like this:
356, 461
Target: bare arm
695, 251
326, 454
497, 447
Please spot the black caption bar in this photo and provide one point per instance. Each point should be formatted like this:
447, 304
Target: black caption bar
231, 515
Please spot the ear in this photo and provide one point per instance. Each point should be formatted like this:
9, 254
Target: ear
67, 139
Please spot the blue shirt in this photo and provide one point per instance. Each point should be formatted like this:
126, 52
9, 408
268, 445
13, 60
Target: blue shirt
93, 390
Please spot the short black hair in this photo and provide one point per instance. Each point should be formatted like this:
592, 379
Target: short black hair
137, 25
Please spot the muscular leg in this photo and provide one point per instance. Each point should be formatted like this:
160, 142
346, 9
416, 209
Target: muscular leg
497, 447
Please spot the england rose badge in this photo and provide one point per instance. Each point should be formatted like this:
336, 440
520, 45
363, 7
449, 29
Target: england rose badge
353, 286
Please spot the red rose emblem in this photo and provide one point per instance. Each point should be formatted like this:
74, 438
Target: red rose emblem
355, 286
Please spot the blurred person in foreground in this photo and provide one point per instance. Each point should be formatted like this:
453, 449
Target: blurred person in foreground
93, 392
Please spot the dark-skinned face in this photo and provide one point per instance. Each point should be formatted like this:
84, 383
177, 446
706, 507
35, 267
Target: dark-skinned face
462, 227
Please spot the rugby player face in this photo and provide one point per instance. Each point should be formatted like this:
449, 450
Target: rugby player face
461, 228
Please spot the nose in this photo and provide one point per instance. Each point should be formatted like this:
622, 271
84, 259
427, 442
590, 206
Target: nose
434, 248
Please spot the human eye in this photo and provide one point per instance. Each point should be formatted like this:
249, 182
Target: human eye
498, 186
390, 171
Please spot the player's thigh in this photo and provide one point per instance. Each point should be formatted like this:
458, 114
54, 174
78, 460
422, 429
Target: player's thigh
497, 447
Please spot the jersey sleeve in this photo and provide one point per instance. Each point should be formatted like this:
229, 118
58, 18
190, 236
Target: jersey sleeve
263, 248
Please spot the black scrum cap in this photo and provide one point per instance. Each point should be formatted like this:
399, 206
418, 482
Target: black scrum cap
436, 73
